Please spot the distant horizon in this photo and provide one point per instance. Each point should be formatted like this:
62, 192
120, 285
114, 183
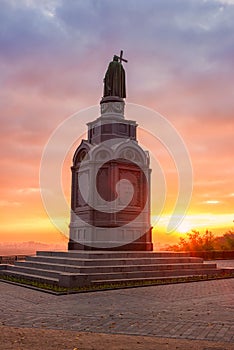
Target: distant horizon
159, 237
30, 247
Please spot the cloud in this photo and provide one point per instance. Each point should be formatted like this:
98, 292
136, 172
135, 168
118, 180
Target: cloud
5, 203
212, 202
190, 40
226, 2
24, 30
29, 190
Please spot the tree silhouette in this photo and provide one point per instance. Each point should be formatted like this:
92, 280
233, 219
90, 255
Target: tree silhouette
196, 241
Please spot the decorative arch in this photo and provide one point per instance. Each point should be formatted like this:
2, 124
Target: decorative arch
81, 153
131, 151
101, 153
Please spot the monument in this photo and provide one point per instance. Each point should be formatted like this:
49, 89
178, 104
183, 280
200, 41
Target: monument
110, 192
110, 211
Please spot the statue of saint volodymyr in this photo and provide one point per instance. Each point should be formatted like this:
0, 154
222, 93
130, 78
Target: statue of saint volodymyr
114, 81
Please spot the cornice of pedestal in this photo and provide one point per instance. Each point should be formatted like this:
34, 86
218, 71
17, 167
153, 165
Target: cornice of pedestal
112, 105
107, 99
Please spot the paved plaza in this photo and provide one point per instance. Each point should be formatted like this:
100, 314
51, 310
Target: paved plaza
197, 310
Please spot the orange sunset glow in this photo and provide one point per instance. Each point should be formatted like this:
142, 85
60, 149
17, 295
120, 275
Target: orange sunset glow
180, 64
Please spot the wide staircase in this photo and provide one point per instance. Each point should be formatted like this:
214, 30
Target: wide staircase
96, 269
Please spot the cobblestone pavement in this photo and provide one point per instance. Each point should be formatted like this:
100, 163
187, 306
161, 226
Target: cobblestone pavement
198, 310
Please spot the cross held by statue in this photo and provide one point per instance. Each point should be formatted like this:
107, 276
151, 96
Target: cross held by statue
120, 57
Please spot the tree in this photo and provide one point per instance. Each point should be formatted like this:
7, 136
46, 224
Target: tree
225, 242
196, 241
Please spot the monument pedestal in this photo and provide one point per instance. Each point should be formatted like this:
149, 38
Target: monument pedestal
143, 243
110, 185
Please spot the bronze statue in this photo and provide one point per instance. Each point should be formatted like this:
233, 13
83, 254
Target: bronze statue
114, 81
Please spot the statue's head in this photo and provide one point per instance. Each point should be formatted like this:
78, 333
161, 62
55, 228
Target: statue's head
115, 58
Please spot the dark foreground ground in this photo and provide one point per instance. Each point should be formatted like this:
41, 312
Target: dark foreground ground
196, 315
38, 339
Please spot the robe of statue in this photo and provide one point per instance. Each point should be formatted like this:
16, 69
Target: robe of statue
114, 81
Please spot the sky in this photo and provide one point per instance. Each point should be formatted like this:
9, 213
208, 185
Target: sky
53, 56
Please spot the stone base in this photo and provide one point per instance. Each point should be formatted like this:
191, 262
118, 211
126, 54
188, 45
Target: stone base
141, 244
92, 269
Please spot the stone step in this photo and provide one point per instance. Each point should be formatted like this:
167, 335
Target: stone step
110, 254
86, 268
34, 271
110, 275
113, 261
116, 278
31, 277
151, 274
149, 279
110, 268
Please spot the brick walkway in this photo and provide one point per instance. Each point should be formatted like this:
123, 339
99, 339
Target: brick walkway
200, 310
